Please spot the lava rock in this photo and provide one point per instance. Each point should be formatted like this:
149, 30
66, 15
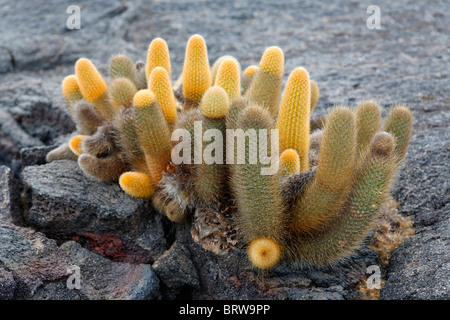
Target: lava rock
65, 204
9, 197
31, 257
103, 279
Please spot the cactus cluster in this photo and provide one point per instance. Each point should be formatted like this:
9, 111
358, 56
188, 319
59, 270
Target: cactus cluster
333, 176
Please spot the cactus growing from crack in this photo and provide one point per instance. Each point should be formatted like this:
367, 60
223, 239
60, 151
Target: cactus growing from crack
334, 173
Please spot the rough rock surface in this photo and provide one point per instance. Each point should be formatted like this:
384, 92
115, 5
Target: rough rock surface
98, 212
406, 61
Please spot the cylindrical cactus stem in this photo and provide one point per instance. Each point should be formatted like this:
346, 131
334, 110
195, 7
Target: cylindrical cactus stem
71, 91
289, 162
158, 56
94, 88
368, 123
153, 133
159, 83
86, 118
218, 62
399, 124
258, 196
128, 141
210, 175
141, 77
63, 152
228, 77
293, 117
122, 66
247, 78
332, 183
315, 94
264, 253
266, 84
137, 184
121, 93
356, 219
103, 169
234, 113
75, 144
196, 71
102, 143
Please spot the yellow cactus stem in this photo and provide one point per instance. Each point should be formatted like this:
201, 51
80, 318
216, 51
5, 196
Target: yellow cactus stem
290, 162
247, 77
264, 253
216, 65
75, 144
215, 103
196, 72
122, 92
315, 94
294, 116
93, 87
228, 77
153, 133
158, 56
159, 83
71, 91
137, 184
266, 85
399, 124
368, 123
324, 197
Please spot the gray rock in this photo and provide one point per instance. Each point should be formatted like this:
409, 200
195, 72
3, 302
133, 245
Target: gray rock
403, 62
7, 285
65, 204
420, 267
102, 279
9, 197
175, 268
31, 257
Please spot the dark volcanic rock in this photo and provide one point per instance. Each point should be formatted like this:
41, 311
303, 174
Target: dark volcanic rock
103, 279
10, 210
32, 258
405, 61
420, 267
65, 204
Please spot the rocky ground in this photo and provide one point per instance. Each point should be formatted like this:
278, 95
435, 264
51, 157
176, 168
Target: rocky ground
52, 218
